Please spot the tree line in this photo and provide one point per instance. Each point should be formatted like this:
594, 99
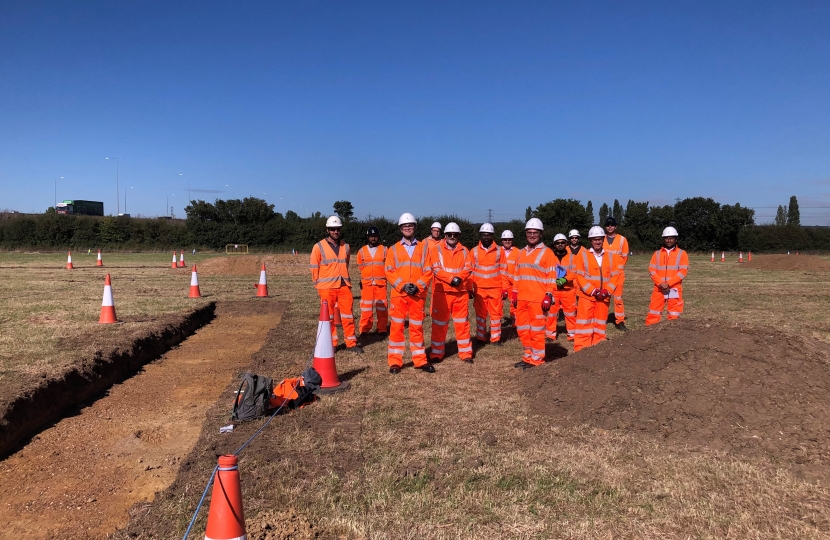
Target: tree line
703, 223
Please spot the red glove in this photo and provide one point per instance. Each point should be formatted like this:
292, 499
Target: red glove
504, 294
605, 294
547, 302
514, 299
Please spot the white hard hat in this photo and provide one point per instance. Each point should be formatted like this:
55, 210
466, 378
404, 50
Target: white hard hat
487, 227
559, 236
507, 234
435, 225
535, 223
596, 232
406, 217
573, 232
669, 231
452, 227
333, 221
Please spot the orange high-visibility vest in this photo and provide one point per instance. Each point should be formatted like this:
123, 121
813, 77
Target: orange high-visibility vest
535, 273
372, 268
590, 276
330, 270
669, 267
509, 258
488, 268
569, 263
450, 264
401, 269
618, 248
431, 242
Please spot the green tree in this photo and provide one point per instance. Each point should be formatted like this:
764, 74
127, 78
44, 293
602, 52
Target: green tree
589, 209
781, 216
528, 213
344, 209
793, 214
561, 215
618, 211
603, 213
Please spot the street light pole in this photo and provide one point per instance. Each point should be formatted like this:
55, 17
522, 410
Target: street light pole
56, 193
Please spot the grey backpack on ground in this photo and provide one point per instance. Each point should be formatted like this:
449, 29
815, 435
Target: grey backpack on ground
253, 397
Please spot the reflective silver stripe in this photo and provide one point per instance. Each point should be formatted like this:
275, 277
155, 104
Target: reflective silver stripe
676, 313
419, 351
397, 320
588, 331
523, 327
437, 344
600, 331
465, 349
344, 316
537, 328
369, 309
569, 313
655, 312
459, 320
397, 343
583, 321
440, 323
463, 341
601, 322
416, 323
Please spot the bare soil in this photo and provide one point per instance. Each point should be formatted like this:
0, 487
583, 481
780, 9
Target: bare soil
250, 265
748, 391
80, 478
806, 263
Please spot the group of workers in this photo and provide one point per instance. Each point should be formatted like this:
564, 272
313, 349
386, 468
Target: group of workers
537, 281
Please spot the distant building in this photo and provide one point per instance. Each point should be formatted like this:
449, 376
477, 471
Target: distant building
84, 208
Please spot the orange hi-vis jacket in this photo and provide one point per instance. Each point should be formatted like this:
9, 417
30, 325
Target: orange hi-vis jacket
569, 263
372, 268
488, 266
535, 273
509, 258
590, 276
618, 248
401, 269
329, 270
450, 264
431, 242
669, 267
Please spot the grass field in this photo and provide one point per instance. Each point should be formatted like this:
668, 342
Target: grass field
455, 454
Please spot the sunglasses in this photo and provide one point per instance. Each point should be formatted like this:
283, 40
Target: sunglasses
452, 234
334, 228
560, 242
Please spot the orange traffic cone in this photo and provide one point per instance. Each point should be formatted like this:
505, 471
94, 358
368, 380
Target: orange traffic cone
262, 287
226, 519
181, 259
713, 256
173, 264
107, 306
194, 284
722, 256
740, 256
99, 262
749, 256
324, 353
69, 261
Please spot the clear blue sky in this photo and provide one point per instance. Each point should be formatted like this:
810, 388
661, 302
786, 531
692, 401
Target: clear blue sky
427, 107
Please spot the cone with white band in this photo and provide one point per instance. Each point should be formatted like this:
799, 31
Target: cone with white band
69, 261
181, 259
226, 518
722, 256
194, 284
262, 286
107, 306
99, 262
713, 256
324, 354
173, 264
740, 256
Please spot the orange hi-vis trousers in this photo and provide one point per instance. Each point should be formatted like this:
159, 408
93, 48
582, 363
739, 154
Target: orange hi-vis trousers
591, 320
488, 302
619, 307
530, 324
403, 307
566, 300
373, 297
445, 306
340, 299
659, 301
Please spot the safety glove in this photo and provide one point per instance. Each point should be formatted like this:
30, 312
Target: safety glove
504, 294
604, 294
561, 282
455, 282
514, 299
547, 302
410, 288
597, 294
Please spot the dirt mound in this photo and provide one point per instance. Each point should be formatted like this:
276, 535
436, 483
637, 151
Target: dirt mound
807, 263
747, 391
250, 265
287, 525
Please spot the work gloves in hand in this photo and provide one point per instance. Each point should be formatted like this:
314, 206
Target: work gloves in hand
601, 294
504, 294
455, 282
514, 299
560, 282
547, 302
410, 288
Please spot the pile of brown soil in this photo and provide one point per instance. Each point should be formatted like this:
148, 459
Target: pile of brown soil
747, 391
250, 265
807, 263
287, 525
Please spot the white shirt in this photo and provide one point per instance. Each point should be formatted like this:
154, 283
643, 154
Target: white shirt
372, 250
597, 256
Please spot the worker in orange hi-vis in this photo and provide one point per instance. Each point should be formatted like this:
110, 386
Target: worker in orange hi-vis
564, 293
668, 268
371, 260
509, 256
533, 282
487, 285
451, 270
409, 271
434, 235
597, 276
330, 274
617, 245
574, 247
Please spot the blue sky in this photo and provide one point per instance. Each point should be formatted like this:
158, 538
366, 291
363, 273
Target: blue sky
427, 107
